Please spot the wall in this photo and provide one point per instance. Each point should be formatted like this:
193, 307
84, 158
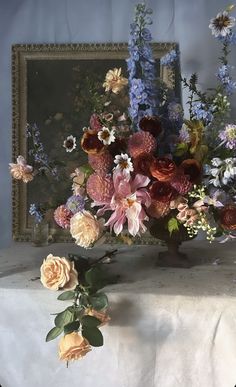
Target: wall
64, 21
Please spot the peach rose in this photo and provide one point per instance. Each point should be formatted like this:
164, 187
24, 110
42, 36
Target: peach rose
21, 171
73, 347
58, 273
85, 228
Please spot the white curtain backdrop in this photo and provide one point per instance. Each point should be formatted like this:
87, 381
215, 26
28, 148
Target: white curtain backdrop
66, 21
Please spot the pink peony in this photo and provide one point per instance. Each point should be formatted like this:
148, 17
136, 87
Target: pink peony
127, 203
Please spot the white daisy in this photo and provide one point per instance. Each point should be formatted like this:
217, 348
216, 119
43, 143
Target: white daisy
69, 143
221, 24
123, 163
106, 136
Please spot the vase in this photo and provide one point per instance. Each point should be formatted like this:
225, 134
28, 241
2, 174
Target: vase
40, 234
172, 257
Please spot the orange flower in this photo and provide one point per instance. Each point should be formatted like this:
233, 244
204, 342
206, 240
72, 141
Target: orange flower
73, 347
228, 217
163, 169
90, 142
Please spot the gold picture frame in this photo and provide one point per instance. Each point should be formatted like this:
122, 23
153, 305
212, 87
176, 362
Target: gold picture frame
22, 55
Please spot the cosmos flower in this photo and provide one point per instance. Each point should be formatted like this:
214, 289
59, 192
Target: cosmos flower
222, 24
106, 136
114, 81
70, 143
228, 136
123, 164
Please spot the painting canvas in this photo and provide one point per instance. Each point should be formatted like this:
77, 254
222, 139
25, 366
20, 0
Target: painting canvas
54, 87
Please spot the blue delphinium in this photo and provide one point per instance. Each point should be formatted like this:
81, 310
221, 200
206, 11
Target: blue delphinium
141, 67
35, 211
38, 152
202, 112
228, 39
224, 77
170, 58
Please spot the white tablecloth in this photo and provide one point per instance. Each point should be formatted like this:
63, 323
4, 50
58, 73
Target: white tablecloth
169, 328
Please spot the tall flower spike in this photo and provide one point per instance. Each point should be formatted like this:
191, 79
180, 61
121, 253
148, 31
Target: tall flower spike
141, 68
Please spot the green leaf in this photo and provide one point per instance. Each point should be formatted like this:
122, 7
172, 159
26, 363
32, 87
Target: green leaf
63, 318
93, 335
181, 149
90, 321
173, 225
96, 278
68, 295
71, 327
99, 301
53, 333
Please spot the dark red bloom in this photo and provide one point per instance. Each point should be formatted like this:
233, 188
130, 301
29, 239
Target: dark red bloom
228, 217
163, 169
162, 192
90, 142
192, 168
143, 163
151, 124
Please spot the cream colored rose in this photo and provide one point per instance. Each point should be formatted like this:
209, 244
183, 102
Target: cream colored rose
102, 316
58, 273
114, 81
73, 347
85, 228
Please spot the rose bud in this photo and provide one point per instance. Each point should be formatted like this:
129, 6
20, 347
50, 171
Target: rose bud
162, 192
143, 163
90, 142
228, 217
151, 124
163, 169
192, 168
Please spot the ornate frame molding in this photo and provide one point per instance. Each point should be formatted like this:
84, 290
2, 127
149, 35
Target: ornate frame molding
21, 53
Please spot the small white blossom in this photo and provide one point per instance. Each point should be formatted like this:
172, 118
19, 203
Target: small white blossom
224, 171
106, 136
123, 163
69, 143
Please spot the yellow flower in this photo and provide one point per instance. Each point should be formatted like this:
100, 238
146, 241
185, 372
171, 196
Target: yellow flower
73, 347
85, 228
58, 273
114, 81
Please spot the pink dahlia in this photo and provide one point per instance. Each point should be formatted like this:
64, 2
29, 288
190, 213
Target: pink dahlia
101, 163
62, 216
141, 142
100, 188
127, 203
181, 184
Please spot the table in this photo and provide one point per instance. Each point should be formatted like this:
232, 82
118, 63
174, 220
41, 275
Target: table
169, 328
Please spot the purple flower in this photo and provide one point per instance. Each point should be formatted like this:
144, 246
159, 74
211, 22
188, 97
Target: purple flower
202, 112
35, 211
75, 203
224, 77
169, 59
184, 135
228, 136
175, 111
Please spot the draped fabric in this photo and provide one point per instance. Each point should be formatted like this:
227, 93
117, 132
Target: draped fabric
168, 328
66, 21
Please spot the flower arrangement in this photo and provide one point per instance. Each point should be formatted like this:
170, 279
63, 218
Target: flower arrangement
150, 167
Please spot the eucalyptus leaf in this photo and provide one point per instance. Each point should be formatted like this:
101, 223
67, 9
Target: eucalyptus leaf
90, 321
63, 318
53, 333
68, 295
71, 327
93, 335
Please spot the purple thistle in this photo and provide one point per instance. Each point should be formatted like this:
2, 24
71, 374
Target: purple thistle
228, 136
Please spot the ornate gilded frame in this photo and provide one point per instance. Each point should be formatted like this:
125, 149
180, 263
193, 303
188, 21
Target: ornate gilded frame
21, 53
